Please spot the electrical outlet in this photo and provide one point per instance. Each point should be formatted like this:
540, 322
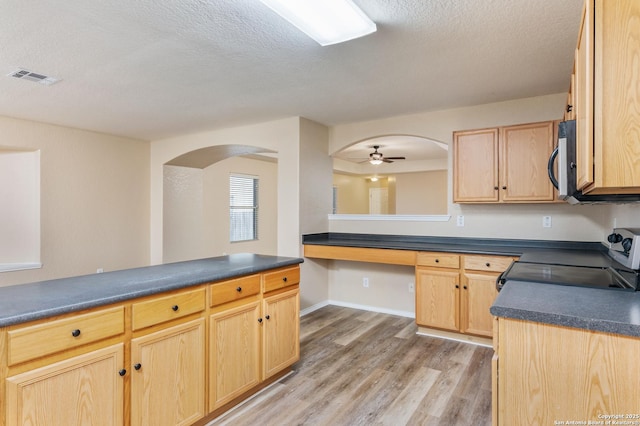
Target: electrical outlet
412, 287
460, 220
365, 282
99, 271
546, 221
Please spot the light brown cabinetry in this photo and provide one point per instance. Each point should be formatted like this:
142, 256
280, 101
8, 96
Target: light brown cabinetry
67, 370
608, 98
168, 364
254, 334
85, 389
547, 373
170, 359
503, 165
453, 299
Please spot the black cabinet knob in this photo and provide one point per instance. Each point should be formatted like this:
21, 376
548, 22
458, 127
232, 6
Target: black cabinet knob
457, 286
122, 372
175, 308
569, 108
504, 187
260, 320
267, 317
437, 260
626, 244
239, 289
614, 238
487, 264
495, 187
137, 366
465, 287
75, 333
284, 279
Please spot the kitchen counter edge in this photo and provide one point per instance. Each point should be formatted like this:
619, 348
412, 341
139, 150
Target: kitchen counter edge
32, 301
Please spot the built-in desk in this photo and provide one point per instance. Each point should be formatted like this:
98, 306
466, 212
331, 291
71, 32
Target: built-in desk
455, 277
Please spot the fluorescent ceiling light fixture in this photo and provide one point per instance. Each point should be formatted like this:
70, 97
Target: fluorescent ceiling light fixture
325, 21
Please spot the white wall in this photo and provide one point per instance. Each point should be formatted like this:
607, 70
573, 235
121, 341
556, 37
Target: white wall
422, 193
94, 199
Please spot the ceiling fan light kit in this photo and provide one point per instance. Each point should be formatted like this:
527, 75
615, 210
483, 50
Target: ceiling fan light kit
326, 21
376, 157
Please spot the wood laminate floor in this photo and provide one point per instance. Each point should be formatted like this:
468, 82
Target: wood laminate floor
365, 368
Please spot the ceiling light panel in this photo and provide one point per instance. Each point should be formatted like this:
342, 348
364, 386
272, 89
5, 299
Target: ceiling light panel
326, 21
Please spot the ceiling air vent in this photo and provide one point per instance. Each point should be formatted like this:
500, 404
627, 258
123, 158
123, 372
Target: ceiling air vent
32, 76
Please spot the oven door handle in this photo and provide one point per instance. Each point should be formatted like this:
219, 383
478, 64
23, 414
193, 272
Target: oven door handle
552, 175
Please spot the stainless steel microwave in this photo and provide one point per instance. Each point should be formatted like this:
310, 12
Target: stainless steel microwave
566, 181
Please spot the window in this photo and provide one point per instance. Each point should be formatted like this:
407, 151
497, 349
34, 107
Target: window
243, 208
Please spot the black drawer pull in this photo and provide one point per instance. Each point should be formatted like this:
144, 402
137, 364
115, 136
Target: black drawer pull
260, 320
137, 366
175, 308
488, 264
284, 279
75, 333
437, 260
267, 316
122, 372
239, 289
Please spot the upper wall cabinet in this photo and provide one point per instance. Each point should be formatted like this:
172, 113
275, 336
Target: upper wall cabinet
607, 98
503, 165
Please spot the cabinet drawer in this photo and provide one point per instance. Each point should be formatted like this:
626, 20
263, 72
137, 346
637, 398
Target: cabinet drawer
441, 260
281, 278
229, 291
161, 309
487, 263
31, 342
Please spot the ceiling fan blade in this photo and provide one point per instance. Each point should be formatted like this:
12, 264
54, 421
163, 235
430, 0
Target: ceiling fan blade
386, 160
395, 158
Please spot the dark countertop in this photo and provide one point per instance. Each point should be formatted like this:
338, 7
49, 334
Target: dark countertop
609, 311
604, 310
28, 302
496, 246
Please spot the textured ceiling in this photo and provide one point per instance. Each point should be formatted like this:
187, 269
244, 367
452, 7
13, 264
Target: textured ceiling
152, 69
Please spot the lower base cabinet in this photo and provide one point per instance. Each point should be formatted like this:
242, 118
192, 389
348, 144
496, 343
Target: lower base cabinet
281, 333
167, 379
454, 293
547, 374
83, 390
234, 352
155, 360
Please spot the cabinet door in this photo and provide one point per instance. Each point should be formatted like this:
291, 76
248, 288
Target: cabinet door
167, 376
84, 390
475, 166
616, 97
584, 99
478, 293
437, 298
525, 150
281, 333
234, 353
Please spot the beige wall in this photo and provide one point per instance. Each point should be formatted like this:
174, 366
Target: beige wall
94, 199
216, 207
421, 193
579, 223
196, 210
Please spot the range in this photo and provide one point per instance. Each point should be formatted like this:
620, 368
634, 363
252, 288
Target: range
616, 268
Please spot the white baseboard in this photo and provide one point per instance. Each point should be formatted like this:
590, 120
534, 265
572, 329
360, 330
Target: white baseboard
378, 309
312, 308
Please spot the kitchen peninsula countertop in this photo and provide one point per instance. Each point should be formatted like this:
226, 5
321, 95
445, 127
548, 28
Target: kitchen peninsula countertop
604, 310
27, 302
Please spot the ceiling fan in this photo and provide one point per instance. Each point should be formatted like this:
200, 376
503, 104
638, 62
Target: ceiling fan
376, 157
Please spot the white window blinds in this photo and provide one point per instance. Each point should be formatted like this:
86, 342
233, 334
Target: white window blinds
243, 208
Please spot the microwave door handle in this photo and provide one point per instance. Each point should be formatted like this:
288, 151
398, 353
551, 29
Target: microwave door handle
552, 175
